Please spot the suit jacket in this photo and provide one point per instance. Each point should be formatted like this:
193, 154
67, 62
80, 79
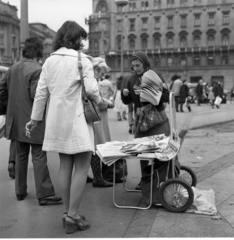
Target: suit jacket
17, 91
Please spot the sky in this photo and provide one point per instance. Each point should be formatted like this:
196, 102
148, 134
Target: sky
54, 13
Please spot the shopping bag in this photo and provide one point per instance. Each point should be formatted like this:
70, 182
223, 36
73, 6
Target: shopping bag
218, 100
2, 125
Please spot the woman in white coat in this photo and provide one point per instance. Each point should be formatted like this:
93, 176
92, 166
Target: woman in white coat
67, 131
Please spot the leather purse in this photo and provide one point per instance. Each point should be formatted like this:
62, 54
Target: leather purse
91, 110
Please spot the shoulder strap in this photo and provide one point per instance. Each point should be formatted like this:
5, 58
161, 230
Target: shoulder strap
81, 75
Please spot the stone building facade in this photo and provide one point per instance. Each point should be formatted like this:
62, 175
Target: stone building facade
190, 38
10, 35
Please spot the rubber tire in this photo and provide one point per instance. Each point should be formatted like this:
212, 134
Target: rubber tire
191, 173
185, 185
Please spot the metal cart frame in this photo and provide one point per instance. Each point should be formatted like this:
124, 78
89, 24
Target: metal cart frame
173, 130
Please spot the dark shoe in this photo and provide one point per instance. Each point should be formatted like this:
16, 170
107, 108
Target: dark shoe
89, 179
119, 119
49, 200
130, 130
138, 187
102, 183
75, 224
64, 216
181, 111
177, 110
11, 170
21, 197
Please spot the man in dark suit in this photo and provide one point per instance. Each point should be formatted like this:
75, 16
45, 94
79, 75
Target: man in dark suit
17, 91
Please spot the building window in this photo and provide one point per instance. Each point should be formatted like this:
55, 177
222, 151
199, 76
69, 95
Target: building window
119, 9
130, 7
1, 39
142, 6
96, 46
157, 4
119, 25
183, 3
210, 60
144, 23
197, 20
144, 43
225, 18
225, 59
197, 2
132, 24
170, 3
13, 41
157, 43
169, 61
146, 5
210, 41
183, 21
157, 62
132, 44
103, 8
211, 20
170, 42
196, 61
170, 22
183, 61
225, 40
157, 22
211, 2
183, 42
118, 41
197, 41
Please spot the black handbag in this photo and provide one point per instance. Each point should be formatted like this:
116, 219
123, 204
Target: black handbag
91, 110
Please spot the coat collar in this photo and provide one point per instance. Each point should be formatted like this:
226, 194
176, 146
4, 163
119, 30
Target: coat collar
70, 52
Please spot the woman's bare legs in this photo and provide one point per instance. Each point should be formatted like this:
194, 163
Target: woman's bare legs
82, 164
65, 176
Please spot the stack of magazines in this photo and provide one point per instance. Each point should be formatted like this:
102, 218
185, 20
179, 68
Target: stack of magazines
151, 88
146, 148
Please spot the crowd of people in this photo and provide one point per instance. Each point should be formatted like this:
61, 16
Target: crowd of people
44, 112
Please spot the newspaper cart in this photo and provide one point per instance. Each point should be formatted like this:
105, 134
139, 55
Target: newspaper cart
176, 193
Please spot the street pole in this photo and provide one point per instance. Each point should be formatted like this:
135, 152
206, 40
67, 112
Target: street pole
121, 3
24, 29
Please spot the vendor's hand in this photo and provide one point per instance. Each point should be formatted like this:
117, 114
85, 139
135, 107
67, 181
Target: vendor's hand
125, 92
29, 127
111, 104
137, 91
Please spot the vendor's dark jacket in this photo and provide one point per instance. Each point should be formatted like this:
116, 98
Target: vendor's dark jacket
132, 97
17, 91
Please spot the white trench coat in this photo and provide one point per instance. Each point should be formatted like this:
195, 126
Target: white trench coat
60, 88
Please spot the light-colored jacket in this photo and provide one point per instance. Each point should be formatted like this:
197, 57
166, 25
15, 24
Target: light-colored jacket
60, 88
176, 87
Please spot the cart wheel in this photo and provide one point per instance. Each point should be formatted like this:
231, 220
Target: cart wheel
176, 195
188, 175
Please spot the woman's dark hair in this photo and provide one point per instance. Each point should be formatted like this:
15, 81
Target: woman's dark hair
33, 48
69, 36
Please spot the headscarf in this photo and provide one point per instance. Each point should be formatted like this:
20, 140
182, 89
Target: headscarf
143, 58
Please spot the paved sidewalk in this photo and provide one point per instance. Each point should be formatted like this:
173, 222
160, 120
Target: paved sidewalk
209, 150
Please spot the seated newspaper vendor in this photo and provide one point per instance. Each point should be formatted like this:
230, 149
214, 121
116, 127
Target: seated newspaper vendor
134, 93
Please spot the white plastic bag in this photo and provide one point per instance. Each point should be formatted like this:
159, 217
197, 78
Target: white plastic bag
2, 125
218, 100
204, 202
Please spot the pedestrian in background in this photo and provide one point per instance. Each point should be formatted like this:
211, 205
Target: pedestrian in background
101, 129
184, 94
218, 92
19, 85
106, 87
131, 108
67, 131
199, 92
211, 97
176, 89
232, 95
120, 107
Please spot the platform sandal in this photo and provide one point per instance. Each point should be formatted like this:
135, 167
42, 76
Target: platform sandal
64, 216
77, 224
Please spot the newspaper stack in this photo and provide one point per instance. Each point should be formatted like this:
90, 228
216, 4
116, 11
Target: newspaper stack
147, 148
151, 88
